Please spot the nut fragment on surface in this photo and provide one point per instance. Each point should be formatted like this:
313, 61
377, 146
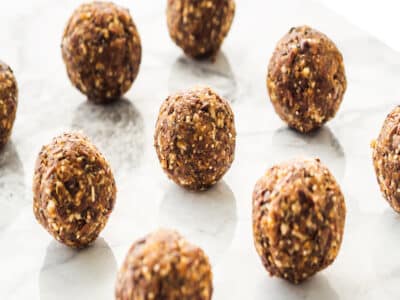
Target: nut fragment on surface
306, 79
164, 266
73, 190
298, 219
199, 26
102, 50
8, 102
195, 137
386, 154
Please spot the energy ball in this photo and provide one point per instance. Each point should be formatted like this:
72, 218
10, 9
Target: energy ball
298, 219
101, 49
386, 154
195, 137
73, 190
200, 26
163, 265
306, 80
8, 102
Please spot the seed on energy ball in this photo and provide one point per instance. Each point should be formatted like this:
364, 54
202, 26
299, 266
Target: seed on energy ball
163, 265
306, 80
8, 102
101, 49
195, 137
386, 154
73, 190
298, 219
200, 26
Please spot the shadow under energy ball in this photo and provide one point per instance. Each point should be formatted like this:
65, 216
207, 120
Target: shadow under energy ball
195, 138
199, 26
218, 74
86, 274
209, 218
116, 128
102, 50
306, 80
320, 143
12, 187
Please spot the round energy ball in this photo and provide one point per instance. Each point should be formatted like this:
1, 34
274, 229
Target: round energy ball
73, 190
195, 137
199, 26
163, 265
306, 79
298, 219
101, 49
386, 153
8, 102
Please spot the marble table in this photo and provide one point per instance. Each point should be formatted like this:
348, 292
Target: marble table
34, 266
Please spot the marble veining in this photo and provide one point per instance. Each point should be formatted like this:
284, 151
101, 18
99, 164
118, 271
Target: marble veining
34, 266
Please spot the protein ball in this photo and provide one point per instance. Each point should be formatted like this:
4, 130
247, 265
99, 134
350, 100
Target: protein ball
101, 49
73, 190
8, 102
386, 151
306, 79
298, 219
163, 265
199, 26
195, 137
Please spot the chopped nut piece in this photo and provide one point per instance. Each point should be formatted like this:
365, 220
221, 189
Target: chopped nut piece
297, 229
63, 196
195, 163
102, 57
200, 26
306, 79
163, 265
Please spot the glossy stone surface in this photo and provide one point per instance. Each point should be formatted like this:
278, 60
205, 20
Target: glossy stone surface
33, 266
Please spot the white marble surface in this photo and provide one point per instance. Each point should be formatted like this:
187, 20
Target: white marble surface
34, 266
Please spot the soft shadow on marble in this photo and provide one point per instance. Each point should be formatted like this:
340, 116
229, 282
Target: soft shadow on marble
322, 143
117, 129
12, 187
187, 73
207, 218
78, 274
315, 288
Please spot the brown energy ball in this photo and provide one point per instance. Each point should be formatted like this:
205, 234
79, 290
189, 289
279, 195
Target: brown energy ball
386, 154
101, 49
73, 190
164, 266
298, 219
199, 26
195, 137
8, 102
306, 79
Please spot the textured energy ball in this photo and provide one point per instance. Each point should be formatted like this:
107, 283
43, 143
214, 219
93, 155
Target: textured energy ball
195, 137
102, 50
73, 190
298, 219
163, 265
8, 102
199, 26
306, 79
386, 154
